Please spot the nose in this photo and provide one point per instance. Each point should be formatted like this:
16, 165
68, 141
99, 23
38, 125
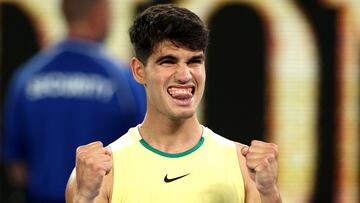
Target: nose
183, 74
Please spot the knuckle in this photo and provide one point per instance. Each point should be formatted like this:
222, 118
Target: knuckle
81, 156
270, 157
272, 145
254, 142
79, 149
95, 144
274, 149
98, 143
103, 150
108, 151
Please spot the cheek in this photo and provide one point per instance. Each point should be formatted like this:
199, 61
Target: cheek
204, 77
155, 85
200, 80
200, 77
159, 78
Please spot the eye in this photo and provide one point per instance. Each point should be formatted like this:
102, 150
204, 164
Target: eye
167, 61
195, 61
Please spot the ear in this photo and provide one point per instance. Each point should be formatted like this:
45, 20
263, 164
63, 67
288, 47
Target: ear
138, 70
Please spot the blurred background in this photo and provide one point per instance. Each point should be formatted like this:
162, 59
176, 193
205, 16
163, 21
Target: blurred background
283, 71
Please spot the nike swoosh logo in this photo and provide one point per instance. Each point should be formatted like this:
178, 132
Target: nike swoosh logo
168, 180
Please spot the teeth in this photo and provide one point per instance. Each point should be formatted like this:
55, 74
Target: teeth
177, 91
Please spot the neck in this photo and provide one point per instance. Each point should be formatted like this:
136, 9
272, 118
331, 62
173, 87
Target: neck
82, 31
171, 136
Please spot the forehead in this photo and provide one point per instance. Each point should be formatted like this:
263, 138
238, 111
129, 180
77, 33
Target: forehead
170, 48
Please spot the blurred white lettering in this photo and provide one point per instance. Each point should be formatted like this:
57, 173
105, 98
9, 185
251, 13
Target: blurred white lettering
69, 85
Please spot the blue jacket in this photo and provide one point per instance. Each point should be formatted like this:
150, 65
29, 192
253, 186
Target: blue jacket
68, 95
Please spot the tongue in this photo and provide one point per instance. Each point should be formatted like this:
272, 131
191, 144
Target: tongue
181, 95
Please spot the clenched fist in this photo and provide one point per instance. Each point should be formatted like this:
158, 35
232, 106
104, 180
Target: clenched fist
261, 161
93, 162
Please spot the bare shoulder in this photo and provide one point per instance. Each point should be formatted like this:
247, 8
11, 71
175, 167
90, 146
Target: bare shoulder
105, 191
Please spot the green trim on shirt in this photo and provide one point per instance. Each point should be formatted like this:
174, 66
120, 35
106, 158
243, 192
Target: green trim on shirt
169, 155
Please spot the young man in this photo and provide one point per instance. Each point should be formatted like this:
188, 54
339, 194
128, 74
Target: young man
171, 157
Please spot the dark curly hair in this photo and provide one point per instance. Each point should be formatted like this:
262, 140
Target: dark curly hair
167, 22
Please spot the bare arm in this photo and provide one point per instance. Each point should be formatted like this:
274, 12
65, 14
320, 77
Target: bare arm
92, 178
259, 167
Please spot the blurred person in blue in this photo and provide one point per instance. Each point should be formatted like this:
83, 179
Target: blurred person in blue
67, 95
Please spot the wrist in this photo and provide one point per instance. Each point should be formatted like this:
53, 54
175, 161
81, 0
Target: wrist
271, 195
84, 196
82, 199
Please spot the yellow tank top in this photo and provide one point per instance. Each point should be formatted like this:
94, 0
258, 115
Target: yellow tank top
207, 173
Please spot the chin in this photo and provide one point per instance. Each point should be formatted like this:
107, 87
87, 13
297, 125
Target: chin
183, 115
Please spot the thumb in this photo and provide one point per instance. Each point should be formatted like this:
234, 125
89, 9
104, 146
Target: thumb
245, 150
108, 151
110, 166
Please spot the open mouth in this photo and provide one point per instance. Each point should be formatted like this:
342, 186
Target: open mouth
181, 92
